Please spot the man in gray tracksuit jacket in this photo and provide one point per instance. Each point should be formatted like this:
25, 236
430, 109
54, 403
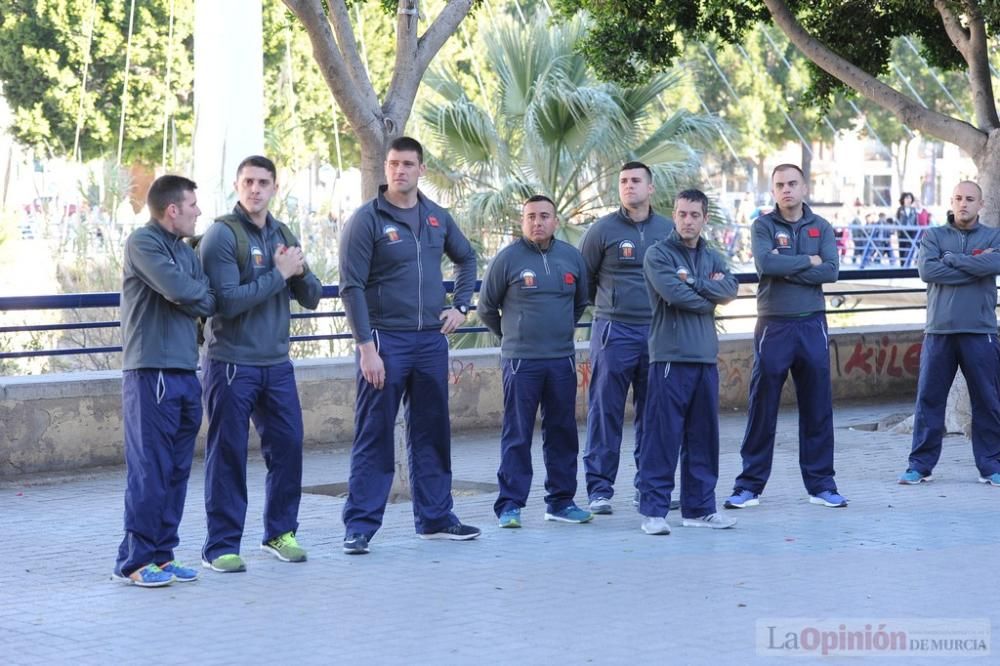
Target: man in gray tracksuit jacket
392, 289
687, 280
164, 290
795, 252
614, 249
250, 374
533, 293
959, 262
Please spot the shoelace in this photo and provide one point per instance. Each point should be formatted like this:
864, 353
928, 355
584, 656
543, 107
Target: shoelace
150, 568
287, 539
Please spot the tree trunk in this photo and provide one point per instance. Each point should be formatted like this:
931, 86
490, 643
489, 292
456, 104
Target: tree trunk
372, 159
807, 159
763, 185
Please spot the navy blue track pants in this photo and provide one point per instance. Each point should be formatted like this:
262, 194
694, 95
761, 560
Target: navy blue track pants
528, 384
978, 354
799, 345
416, 372
619, 357
162, 414
681, 421
235, 394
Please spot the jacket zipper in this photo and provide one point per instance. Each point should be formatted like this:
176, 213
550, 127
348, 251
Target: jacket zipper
420, 282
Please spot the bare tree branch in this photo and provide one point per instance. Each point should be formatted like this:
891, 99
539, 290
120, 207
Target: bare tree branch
972, 43
340, 19
356, 99
443, 27
413, 62
945, 127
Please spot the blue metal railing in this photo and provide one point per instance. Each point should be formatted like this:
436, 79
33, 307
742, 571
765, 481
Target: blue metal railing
860, 244
111, 300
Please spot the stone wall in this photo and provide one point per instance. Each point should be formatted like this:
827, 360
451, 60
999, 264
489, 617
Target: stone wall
65, 422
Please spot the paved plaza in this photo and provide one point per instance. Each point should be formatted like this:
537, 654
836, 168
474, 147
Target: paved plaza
599, 593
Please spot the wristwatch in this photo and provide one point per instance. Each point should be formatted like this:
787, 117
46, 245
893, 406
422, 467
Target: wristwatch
464, 309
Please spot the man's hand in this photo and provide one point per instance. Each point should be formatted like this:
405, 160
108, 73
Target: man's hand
718, 276
372, 367
452, 319
289, 261
815, 259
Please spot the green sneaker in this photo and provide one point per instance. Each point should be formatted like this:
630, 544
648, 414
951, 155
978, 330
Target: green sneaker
285, 548
230, 563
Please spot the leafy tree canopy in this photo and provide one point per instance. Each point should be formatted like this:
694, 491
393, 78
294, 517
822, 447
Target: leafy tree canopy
630, 41
44, 46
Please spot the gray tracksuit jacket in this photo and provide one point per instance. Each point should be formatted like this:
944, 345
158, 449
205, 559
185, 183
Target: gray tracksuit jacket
684, 295
532, 299
390, 274
961, 278
164, 290
251, 325
790, 285
613, 249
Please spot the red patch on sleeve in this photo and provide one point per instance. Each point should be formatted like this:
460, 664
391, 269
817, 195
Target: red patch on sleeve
814, 233
569, 278
433, 221
977, 251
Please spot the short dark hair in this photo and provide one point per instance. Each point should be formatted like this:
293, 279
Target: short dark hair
637, 165
258, 161
973, 183
787, 165
407, 144
902, 198
167, 190
534, 198
695, 195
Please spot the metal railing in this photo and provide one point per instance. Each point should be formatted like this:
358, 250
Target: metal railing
111, 300
862, 245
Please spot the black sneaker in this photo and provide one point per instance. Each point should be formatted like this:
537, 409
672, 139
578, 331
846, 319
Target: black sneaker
355, 544
457, 532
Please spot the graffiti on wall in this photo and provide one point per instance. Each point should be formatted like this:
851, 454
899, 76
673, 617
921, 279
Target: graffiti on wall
882, 358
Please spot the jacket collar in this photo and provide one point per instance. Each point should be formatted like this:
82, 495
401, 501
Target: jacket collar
623, 216
242, 213
807, 216
160, 229
675, 239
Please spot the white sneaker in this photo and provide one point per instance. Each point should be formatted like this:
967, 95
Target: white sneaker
716, 521
601, 505
655, 525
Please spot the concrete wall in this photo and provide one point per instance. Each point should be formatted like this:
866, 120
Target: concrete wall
70, 421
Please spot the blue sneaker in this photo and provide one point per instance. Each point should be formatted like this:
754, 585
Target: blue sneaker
912, 477
742, 498
510, 518
571, 514
355, 544
148, 576
991, 480
182, 574
828, 498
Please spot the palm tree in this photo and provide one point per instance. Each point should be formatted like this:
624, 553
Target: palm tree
551, 127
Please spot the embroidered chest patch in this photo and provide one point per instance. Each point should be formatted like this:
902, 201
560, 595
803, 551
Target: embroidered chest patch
626, 251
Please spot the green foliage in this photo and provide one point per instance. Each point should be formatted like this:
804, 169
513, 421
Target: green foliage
551, 127
631, 41
43, 49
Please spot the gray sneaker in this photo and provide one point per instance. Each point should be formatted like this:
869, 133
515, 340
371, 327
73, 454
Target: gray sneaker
655, 525
716, 521
601, 505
